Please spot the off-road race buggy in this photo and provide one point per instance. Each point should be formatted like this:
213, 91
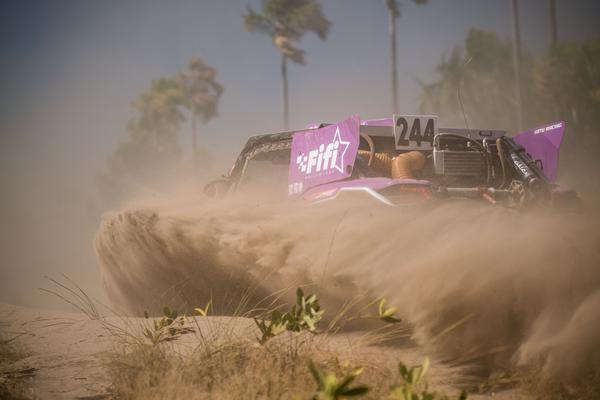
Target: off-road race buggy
403, 159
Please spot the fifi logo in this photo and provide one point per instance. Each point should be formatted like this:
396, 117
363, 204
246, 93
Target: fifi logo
326, 157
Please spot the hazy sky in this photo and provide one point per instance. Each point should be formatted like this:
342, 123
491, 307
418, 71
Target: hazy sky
71, 68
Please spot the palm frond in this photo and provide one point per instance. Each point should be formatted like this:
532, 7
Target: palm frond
255, 22
393, 7
308, 17
288, 49
202, 92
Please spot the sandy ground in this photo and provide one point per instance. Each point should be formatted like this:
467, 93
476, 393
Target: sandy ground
67, 350
64, 348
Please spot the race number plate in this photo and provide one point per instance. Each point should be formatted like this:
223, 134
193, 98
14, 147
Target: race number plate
415, 132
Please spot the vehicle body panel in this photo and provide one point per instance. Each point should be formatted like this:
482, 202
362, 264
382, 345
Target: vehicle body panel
544, 144
324, 160
323, 155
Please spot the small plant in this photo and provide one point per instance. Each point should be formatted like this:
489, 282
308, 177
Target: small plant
412, 379
168, 328
387, 314
278, 324
330, 387
303, 316
305, 313
204, 311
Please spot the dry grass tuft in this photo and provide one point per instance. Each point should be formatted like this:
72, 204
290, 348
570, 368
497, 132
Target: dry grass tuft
585, 386
234, 370
13, 382
209, 357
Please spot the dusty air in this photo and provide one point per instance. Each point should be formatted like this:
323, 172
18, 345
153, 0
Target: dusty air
300, 199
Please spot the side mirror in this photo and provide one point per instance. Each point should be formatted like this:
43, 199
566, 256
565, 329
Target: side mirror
217, 188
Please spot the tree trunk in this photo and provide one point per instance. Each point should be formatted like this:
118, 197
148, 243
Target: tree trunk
553, 40
285, 92
194, 144
393, 62
516, 47
194, 139
553, 24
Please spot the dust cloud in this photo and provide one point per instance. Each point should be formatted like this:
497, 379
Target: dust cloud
474, 282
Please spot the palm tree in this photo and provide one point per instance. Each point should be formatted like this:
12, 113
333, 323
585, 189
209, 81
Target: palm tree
285, 22
160, 114
552, 21
516, 47
394, 13
201, 94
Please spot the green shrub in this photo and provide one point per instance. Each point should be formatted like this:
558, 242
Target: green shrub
330, 387
170, 327
303, 316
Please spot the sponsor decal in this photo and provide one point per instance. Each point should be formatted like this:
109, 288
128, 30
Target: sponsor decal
521, 165
323, 155
547, 128
543, 144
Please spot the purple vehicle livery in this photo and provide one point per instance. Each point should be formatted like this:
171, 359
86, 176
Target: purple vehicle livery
401, 160
323, 155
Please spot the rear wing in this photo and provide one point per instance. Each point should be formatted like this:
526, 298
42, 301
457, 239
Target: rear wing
323, 155
543, 144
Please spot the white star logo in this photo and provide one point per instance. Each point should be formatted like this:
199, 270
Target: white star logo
325, 157
342, 145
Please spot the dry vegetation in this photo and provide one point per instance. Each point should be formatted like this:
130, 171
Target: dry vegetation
287, 357
289, 354
13, 381
220, 359
228, 371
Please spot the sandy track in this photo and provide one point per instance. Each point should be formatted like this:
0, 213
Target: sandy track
67, 351
64, 348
